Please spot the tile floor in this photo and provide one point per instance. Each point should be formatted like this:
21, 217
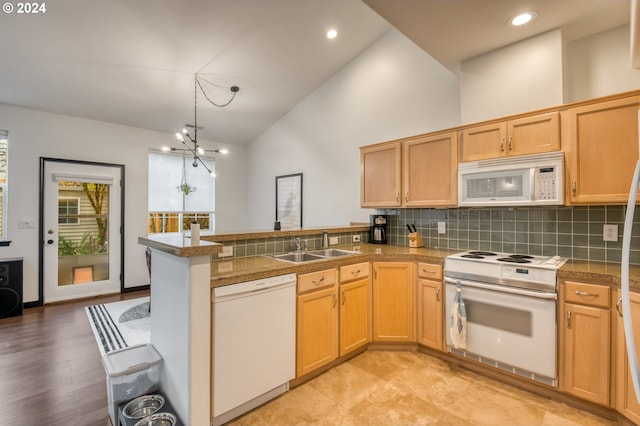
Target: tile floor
411, 388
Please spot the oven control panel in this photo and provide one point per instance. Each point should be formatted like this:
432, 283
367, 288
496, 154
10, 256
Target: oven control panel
523, 273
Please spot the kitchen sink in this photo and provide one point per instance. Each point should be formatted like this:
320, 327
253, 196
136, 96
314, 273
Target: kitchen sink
297, 257
332, 252
310, 256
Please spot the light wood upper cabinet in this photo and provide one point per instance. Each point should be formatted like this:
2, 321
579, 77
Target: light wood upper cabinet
527, 135
586, 339
429, 171
393, 302
603, 141
380, 175
626, 402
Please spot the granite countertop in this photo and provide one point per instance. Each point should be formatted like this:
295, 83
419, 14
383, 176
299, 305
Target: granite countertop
224, 272
179, 244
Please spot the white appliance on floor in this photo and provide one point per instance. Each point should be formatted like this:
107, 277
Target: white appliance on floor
254, 338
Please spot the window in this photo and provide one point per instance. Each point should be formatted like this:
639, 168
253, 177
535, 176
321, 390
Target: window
68, 210
4, 158
174, 206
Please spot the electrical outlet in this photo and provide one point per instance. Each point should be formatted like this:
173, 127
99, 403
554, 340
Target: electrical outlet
226, 251
442, 228
609, 232
355, 239
333, 241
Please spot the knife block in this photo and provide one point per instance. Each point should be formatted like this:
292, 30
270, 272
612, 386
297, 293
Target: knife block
415, 240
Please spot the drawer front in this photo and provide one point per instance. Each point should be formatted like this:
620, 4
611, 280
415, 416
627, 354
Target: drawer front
316, 280
587, 294
354, 272
429, 271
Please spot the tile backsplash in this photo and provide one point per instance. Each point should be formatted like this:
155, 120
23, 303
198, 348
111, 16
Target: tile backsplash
573, 232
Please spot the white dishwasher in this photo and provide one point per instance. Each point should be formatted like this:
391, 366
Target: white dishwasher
254, 344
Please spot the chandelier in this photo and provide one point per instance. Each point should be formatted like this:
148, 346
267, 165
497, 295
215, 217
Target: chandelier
195, 150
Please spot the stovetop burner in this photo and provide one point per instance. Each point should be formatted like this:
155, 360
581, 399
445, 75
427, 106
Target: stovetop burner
472, 256
482, 253
512, 259
520, 256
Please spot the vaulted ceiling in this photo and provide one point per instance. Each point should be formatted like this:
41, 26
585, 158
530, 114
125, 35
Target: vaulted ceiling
133, 62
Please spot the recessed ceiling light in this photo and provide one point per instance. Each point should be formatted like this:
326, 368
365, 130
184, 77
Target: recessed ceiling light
332, 33
523, 18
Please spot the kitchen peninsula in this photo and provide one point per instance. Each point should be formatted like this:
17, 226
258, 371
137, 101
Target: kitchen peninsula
181, 321
183, 278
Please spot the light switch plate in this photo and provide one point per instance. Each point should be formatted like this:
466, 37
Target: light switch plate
333, 241
26, 224
442, 228
609, 232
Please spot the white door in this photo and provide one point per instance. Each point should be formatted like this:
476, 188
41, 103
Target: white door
82, 241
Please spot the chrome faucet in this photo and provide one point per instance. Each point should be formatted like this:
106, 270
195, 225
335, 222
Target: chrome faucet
296, 242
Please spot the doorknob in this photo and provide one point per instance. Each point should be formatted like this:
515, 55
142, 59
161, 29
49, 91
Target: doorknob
50, 242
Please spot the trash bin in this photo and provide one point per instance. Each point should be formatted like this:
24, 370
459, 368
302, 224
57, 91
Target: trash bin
131, 372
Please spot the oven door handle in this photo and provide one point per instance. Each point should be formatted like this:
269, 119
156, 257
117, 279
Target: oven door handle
503, 289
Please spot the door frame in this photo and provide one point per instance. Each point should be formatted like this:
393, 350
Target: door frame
41, 233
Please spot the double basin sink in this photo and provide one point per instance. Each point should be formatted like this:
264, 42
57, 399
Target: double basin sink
312, 255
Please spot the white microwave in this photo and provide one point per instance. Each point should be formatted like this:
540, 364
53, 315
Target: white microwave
526, 180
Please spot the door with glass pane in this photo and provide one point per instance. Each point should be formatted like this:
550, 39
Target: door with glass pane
81, 209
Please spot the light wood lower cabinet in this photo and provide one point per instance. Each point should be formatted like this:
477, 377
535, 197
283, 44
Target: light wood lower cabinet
317, 321
585, 319
393, 302
355, 307
430, 305
626, 402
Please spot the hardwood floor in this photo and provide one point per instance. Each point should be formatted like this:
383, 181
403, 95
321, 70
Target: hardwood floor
51, 371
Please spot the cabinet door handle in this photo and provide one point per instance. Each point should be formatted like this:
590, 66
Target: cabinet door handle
510, 147
397, 197
375, 273
574, 190
502, 145
619, 306
568, 319
318, 281
406, 197
438, 294
335, 300
344, 298
355, 272
428, 271
584, 293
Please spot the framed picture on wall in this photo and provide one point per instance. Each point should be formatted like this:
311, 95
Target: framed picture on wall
289, 201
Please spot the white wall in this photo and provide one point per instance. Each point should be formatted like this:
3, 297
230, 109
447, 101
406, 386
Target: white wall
600, 65
35, 134
518, 78
231, 190
392, 90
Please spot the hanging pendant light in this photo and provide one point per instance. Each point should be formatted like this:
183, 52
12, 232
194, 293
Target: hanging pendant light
196, 151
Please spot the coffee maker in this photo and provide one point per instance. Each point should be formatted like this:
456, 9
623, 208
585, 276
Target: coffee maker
378, 230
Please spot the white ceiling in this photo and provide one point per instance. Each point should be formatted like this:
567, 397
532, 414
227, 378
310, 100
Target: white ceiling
133, 62
454, 30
